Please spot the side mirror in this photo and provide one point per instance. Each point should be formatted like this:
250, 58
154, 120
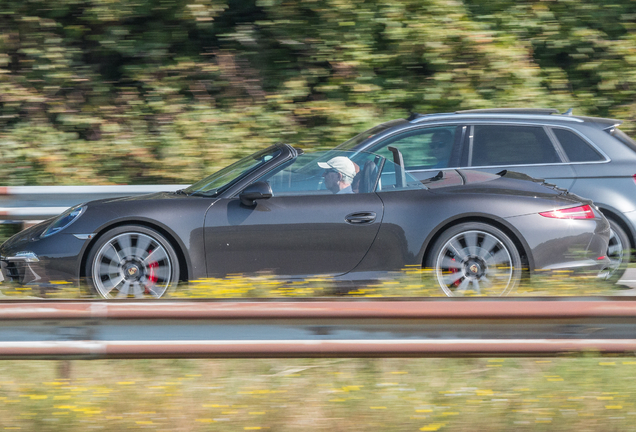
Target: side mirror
255, 191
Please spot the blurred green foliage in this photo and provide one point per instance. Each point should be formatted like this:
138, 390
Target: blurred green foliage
166, 91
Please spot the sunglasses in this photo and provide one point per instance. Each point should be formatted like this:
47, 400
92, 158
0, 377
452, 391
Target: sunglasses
437, 144
329, 171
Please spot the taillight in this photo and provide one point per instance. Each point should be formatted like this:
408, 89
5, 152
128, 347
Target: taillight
580, 212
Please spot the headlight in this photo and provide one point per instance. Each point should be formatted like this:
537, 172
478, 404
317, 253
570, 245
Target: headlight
64, 220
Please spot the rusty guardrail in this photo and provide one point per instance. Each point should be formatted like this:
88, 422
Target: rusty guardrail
312, 328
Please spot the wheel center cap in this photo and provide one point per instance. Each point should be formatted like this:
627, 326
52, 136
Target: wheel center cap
131, 271
474, 268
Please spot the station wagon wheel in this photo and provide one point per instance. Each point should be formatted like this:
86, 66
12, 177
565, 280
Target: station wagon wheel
132, 261
618, 251
475, 259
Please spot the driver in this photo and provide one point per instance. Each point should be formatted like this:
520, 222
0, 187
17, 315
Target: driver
339, 173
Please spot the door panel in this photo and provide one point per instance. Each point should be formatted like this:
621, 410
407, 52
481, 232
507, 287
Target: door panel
291, 235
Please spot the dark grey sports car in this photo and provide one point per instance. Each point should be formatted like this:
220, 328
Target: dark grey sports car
353, 216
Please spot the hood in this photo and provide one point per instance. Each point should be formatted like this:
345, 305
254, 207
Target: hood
145, 197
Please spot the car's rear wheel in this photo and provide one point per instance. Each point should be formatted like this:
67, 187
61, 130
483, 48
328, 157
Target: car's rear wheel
618, 251
475, 259
132, 261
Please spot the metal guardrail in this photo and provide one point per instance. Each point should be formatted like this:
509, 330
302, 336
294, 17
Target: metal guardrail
31, 203
234, 329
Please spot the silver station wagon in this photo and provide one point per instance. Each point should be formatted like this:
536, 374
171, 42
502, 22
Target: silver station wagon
589, 156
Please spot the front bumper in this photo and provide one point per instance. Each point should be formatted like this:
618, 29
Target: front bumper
19, 272
30, 272
27, 259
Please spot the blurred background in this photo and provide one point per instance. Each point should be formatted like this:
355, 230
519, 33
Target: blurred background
167, 91
99, 92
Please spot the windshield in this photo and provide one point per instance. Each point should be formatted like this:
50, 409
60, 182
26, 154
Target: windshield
356, 140
220, 180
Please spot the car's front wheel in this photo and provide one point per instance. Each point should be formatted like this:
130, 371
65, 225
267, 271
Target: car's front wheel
475, 259
132, 261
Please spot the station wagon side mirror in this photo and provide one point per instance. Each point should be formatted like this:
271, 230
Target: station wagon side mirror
255, 191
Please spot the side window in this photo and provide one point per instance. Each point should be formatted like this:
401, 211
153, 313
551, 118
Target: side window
325, 173
511, 145
575, 147
423, 148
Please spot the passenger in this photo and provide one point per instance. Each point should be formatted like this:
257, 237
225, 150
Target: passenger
440, 148
339, 173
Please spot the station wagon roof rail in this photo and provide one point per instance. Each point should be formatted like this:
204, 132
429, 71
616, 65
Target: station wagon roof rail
516, 113
545, 111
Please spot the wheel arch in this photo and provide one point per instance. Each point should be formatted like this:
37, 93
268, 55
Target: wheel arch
184, 264
523, 248
616, 216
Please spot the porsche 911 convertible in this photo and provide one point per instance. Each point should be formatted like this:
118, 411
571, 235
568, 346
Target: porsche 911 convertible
350, 216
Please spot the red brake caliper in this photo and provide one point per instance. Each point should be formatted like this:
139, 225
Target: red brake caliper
152, 277
454, 270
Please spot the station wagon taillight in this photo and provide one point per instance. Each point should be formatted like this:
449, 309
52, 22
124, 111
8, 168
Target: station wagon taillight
580, 212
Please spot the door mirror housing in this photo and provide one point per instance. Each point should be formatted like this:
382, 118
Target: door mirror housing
255, 191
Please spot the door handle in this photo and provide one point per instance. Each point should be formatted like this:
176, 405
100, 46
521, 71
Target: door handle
360, 218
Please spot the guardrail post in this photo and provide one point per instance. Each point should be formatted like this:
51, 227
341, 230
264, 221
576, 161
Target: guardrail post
64, 369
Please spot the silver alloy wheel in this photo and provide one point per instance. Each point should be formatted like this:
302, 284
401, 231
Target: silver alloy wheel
614, 253
132, 263
474, 262
619, 253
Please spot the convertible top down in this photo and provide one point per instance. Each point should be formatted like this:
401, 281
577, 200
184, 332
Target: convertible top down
353, 216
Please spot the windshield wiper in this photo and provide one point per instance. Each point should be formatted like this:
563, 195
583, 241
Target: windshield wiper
181, 192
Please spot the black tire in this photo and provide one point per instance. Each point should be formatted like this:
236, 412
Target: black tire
618, 251
475, 258
132, 260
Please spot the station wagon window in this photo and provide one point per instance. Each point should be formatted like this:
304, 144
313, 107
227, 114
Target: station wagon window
428, 148
575, 147
511, 145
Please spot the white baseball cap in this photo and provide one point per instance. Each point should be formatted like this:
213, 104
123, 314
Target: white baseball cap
342, 164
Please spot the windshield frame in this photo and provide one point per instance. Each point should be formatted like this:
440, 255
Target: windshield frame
196, 189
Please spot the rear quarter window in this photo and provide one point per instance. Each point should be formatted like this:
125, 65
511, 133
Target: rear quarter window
512, 145
575, 147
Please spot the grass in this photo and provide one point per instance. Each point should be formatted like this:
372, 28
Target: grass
583, 394
411, 282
